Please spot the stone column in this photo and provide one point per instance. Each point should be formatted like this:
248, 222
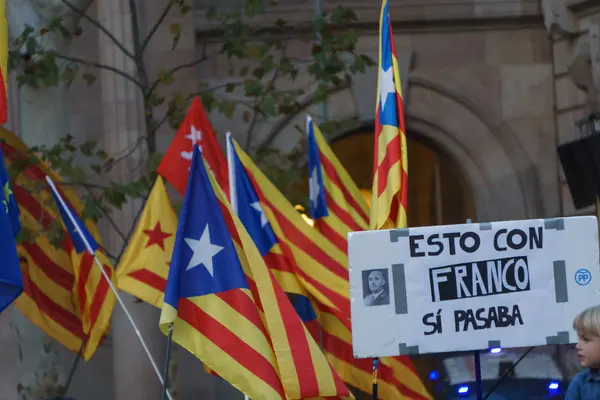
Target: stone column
133, 375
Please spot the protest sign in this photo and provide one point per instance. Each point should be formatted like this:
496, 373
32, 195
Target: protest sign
471, 286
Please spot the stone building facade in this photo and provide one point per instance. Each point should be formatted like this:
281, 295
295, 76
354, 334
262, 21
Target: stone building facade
491, 87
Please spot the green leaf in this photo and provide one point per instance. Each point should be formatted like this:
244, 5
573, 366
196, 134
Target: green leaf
165, 77
88, 147
175, 30
91, 209
230, 87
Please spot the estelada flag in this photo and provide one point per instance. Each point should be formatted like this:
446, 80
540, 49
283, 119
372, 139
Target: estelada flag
195, 129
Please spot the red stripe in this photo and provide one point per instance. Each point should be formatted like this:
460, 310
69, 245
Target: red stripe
278, 262
342, 303
392, 156
296, 237
50, 268
223, 338
150, 278
298, 343
343, 351
32, 172
341, 213
100, 295
334, 237
33, 207
240, 302
50, 309
335, 178
84, 272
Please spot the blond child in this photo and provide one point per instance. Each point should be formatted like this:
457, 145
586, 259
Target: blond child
586, 384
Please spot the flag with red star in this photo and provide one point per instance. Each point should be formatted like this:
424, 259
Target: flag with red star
144, 267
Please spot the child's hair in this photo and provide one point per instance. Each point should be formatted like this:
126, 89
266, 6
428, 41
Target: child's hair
588, 321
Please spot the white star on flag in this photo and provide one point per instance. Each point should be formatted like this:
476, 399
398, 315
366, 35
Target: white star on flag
386, 85
313, 187
263, 218
195, 136
203, 250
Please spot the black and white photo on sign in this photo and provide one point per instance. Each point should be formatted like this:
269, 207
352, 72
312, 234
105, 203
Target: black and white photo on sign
376, 287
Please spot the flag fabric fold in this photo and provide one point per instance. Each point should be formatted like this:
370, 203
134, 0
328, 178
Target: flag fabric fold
390, 161
144, 267
247, 207
229, 311
314, 264
94, 299
11, 282
340, 208
48, 298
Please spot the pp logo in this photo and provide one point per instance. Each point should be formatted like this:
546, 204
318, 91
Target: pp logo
583, 277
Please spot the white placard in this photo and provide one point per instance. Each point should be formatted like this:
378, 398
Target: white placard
471, 286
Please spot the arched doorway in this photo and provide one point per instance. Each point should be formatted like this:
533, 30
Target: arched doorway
437, 192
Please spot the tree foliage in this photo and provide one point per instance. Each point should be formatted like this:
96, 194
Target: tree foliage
256, 47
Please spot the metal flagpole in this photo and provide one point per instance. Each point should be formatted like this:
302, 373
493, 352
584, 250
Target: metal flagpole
479, 389
166, 366
108, 280
232, 193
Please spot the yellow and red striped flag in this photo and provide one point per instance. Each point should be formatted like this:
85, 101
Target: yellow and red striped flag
144, 266
228, 309
303, 261
49, 298
390, 169
94, 298
337, 208
3, 63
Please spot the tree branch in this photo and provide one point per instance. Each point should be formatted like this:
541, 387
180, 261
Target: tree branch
180, 67
110, 220
158, 23
98, 25
255, 116
100, 66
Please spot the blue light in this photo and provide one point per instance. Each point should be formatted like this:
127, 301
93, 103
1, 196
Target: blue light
463, 390
495, 350
553, 386
433, 375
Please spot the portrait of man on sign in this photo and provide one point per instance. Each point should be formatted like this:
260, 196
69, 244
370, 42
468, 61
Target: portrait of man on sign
375, 287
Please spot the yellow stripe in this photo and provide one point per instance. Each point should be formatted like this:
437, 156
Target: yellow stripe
288, 282
342, 173
387, 134
397, 81
323, 370
338, 197
234, 322
216, 359
277, 199
332, 325
58, 255
27, 306
38, 277
338, 226
140, 290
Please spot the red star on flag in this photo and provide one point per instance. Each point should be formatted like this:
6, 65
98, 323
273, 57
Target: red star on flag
156, 236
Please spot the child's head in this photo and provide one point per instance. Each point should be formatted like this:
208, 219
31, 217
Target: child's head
587, 325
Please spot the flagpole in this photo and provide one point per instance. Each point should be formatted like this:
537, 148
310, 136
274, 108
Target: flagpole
108, 280
232, 192
166, 366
